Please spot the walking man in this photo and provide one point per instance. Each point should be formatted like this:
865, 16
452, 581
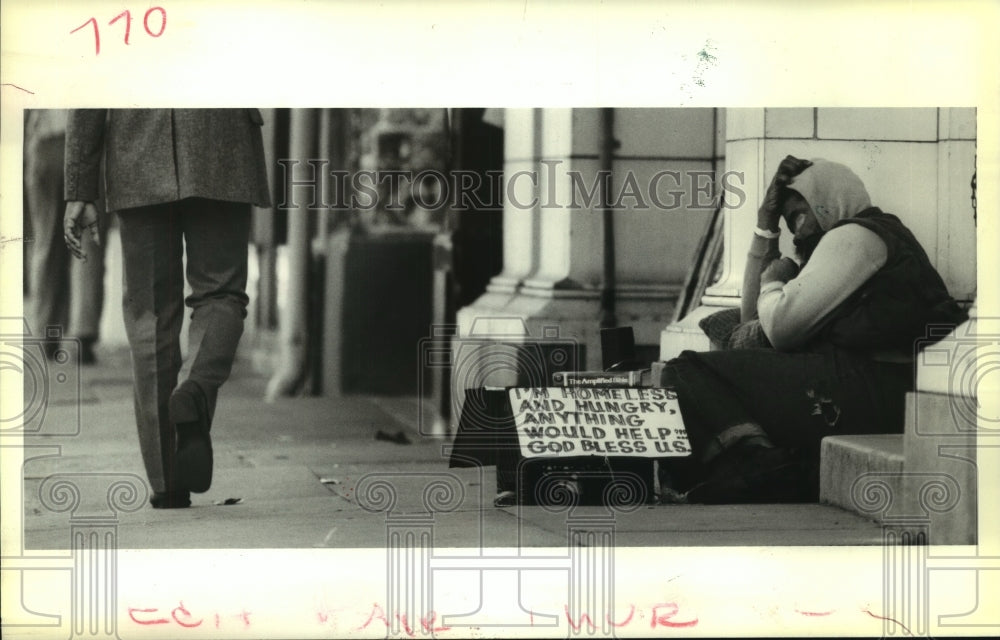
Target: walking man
180, 180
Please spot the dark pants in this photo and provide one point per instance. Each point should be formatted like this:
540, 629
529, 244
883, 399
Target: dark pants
215, 236
796, 398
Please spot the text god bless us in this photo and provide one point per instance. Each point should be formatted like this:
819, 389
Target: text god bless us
598, 421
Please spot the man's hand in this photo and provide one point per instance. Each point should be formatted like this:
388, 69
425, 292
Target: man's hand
768, 214
781, 270
79, 215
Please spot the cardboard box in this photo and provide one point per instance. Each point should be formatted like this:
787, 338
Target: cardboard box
571, 445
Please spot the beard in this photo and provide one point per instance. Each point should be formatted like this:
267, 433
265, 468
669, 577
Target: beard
804, 247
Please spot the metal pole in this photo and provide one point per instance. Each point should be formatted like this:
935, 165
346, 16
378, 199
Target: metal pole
293, 321
606, 165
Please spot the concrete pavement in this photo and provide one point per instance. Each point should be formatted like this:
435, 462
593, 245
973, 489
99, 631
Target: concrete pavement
294, 470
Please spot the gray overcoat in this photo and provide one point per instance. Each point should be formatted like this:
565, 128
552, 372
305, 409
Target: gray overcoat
164, 155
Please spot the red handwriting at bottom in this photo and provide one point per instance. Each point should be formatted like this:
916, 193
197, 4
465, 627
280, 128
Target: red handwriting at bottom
584, 618
666, 615
875, 615
181, 616
662, 615
665, 618
813, 614
427, 623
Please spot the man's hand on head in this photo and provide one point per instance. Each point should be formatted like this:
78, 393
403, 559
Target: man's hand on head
769, 212
781, 270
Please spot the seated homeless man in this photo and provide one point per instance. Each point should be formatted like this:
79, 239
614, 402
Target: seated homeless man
834, 348
180, 180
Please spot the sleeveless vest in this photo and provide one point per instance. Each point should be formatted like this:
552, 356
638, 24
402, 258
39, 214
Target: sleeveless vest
893, 309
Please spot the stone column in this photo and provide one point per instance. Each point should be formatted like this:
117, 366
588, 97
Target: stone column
756, 141
953, 408
955, 256
520, 222
552, 251
549, 291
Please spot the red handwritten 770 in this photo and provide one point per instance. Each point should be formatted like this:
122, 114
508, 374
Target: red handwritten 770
154, 22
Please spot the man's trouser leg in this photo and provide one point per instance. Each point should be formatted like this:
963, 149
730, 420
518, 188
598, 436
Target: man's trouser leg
43, 182
153, 305
216, 236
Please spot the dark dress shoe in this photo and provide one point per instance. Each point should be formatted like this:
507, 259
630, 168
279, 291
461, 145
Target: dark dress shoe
170, 500
189, 415
751, 474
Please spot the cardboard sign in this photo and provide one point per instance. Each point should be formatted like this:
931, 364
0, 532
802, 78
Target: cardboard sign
581, 421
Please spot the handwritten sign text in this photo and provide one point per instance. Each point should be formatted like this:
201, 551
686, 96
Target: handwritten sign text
583, 421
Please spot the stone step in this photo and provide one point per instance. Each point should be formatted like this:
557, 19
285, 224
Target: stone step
937, 494
941, 446
846, 460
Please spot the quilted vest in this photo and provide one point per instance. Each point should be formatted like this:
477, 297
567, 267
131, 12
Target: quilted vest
893, 309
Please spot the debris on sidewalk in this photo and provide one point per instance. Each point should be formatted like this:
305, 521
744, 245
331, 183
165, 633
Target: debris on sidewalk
505, 499
228, 501
671, 496
399, 437
328, 540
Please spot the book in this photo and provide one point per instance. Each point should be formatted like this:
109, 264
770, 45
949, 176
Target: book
639, 377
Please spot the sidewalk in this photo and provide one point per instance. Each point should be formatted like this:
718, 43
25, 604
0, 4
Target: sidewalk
295, 465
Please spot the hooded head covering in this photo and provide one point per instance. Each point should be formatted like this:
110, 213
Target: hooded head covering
833, 191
